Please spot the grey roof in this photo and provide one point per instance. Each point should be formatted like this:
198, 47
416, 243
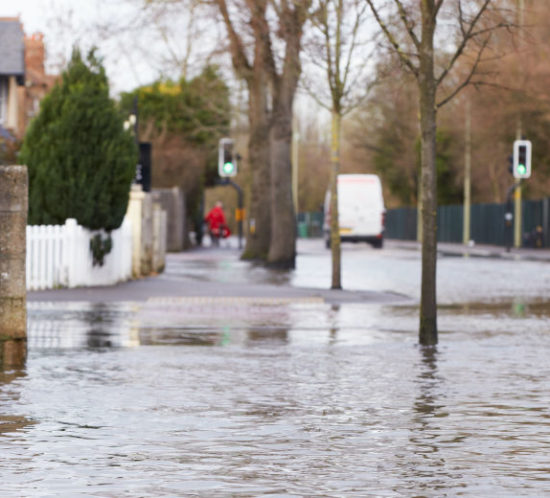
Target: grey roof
12, 48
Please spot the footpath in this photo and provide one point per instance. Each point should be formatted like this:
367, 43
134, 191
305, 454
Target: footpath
219, 275
479, 251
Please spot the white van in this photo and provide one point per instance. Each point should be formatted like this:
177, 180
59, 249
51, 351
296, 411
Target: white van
361, 210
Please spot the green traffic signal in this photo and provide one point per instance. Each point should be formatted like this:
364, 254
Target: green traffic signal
522, 159
228, 168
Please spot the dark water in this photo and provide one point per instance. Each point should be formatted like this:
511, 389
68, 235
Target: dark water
301, 399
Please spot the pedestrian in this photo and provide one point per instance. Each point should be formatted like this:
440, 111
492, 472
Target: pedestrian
217, 226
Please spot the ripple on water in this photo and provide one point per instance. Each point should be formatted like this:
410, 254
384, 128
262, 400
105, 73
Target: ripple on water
342, 404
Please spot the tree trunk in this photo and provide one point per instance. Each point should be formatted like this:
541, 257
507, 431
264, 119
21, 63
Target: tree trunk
334, 215
282, 249
259, 219
427, 89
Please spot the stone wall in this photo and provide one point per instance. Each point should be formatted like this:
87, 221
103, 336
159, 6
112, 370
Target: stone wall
173, 202
149, 233
13, 296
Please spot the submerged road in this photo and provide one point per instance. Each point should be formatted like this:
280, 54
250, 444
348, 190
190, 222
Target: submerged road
220, 378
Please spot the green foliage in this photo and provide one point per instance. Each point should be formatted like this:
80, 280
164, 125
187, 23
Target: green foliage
100, 247
184, 121
390, 151
449, 190
81, 161
403, 184
198, 110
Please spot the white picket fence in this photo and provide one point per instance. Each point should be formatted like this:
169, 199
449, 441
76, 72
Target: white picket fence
60, 256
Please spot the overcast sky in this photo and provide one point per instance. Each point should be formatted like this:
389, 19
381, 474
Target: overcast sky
66, 23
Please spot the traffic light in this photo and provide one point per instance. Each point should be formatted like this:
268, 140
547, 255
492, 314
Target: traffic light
522, 159
227, 159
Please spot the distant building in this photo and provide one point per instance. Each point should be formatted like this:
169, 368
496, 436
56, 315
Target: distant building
23, 79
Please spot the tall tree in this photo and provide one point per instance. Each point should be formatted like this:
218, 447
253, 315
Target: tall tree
291, 18
272, 84
250, 68
81, 161
338, 25
420, 24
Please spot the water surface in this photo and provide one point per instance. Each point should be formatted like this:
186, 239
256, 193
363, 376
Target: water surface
320, 401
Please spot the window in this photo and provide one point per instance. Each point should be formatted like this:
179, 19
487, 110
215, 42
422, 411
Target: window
3, 100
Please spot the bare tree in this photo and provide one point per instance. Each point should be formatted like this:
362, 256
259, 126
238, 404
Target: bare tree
272, 81
334, 49
250, 68
284, 77
418, 23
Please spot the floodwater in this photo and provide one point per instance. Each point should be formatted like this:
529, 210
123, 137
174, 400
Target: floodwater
282, 398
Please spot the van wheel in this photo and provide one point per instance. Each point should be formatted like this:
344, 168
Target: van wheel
377, 244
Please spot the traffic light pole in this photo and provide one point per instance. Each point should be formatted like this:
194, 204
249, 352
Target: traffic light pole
240, 204
517, 214
510, 216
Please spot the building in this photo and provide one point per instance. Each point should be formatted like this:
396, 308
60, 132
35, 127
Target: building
12, 74
23, 79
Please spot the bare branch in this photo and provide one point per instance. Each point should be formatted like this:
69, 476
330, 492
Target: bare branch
240, 61
407, 23
468, 79
438, 5
402, 55
467, 36
353, 45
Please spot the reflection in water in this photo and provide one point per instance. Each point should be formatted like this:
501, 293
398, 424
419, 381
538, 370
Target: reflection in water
9, 395
13, 353
425, 429
290, 399
267, 335
179, 337
80, 325
98, 334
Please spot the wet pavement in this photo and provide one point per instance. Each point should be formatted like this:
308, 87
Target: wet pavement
221, 378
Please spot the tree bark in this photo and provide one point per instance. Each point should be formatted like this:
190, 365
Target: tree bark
259, 219
334, 215
282, 249
255, 75
427, 94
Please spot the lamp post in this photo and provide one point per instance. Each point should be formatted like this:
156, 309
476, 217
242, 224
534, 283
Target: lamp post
133, 123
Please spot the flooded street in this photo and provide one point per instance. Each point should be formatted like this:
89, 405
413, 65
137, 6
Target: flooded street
211, 395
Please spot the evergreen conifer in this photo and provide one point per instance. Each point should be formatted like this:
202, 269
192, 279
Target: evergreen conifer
80, 160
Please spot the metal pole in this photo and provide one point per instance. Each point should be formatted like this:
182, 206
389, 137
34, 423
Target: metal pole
517, 197
508, 218
467, 173
295, 152
136, 122
240, 204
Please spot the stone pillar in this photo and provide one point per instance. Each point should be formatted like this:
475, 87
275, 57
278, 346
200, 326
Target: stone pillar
172, 201
140, 212
134, 213
13, 245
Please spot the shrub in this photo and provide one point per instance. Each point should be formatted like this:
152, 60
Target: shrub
81, 161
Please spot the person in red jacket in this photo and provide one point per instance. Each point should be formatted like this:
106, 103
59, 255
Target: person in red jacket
217, 227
